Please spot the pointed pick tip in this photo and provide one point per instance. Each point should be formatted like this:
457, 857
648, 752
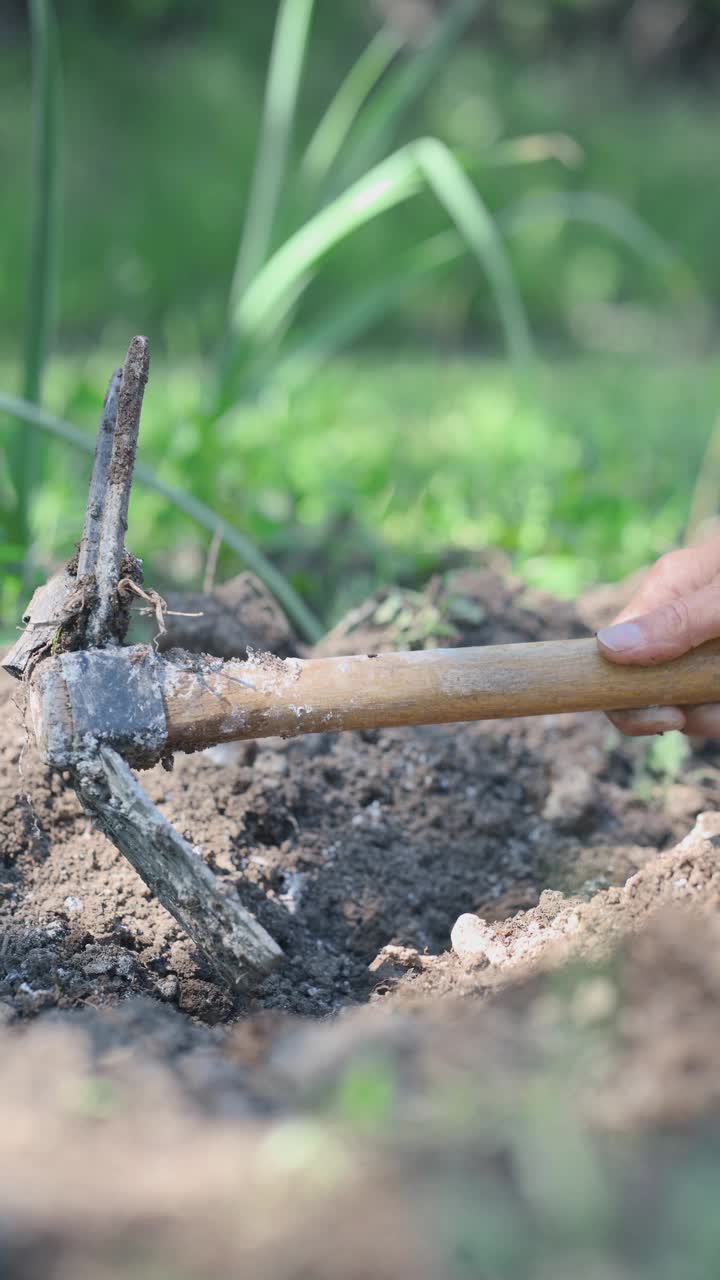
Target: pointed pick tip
138, 356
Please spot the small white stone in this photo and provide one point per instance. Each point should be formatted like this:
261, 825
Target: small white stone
374, 813
473, 938
707, 824
73, 905
294, 884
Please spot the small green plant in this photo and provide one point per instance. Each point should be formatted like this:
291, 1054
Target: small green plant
661, 764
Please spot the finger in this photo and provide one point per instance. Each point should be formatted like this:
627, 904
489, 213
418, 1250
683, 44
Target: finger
667, 631
703, 721
678, 573
645, 720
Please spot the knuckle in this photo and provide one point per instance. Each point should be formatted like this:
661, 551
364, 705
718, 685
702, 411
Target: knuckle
675, 619
669, 568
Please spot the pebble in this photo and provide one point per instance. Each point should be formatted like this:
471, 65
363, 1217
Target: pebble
473, 939
707, 824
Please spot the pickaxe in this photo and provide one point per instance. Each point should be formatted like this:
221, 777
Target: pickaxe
97, 707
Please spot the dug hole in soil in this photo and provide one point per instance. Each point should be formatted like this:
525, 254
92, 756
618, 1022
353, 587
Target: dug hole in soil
149, 1114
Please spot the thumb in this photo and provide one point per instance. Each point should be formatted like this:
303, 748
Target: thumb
666, 632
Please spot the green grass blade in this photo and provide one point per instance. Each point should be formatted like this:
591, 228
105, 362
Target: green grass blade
294, 363
342, 324
295, 608
281, 94
46, 212
337, 121
24, 460
404, 85
468, 211
428, 163
388, 184
597, 210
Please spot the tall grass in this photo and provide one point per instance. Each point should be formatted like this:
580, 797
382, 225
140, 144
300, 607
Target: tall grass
350, 176
283, 82
24, 458
300, 208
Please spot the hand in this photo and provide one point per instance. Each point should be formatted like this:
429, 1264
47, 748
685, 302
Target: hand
676, 608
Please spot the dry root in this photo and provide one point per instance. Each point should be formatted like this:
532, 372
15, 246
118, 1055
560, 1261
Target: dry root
156, 605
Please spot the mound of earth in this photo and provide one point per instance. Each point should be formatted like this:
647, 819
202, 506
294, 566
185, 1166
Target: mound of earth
462, 607
587, 975
342, 845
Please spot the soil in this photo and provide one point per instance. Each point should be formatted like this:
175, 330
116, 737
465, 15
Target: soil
382, 1071
234, 616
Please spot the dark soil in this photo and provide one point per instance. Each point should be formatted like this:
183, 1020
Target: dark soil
358, 852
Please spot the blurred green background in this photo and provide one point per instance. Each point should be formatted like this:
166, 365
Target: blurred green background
371, 354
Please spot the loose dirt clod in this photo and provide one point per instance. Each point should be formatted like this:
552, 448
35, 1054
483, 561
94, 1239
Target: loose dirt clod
227, 621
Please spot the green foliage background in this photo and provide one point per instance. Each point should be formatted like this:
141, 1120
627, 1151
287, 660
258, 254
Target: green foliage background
422, 442
161, 128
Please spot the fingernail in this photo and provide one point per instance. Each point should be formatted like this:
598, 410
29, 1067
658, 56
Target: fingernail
622, 637
648, 720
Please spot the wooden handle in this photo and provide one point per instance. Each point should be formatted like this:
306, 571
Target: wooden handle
268, 696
